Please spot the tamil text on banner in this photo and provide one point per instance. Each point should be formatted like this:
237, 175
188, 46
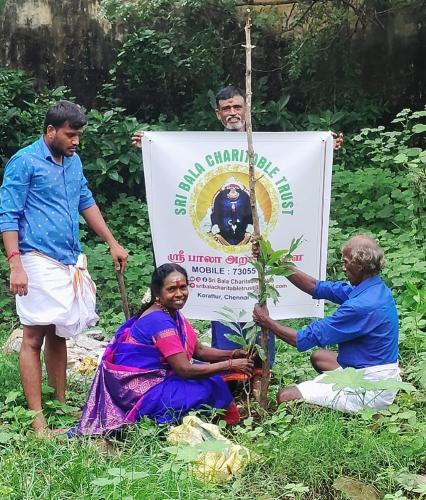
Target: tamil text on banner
198, 199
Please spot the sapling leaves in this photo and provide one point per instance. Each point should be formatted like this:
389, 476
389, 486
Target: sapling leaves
241, 314
250, 332
282, 271
268, 264
295, 243
265, 248
234, 327
253, 295
230, 317
260, 352
257, 265
272, 263
275, 257
272, 293
238, 339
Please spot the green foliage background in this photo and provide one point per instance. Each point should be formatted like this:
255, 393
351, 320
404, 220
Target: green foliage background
176, 55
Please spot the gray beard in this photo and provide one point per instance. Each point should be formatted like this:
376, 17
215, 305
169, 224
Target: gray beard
241, 128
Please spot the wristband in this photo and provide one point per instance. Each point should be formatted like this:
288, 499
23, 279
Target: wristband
12, 254
230, 364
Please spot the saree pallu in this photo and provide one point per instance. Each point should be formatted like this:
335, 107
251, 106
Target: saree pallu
134, 379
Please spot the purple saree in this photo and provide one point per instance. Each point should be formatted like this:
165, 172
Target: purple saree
134, 379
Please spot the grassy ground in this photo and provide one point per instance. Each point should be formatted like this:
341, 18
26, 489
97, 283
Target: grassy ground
299, 451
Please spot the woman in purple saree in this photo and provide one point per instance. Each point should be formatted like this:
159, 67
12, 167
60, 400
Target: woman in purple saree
146, 370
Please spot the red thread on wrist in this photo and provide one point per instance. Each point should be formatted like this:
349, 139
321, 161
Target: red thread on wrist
12, 254
230, 364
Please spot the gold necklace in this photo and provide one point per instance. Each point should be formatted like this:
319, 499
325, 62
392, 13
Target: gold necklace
165, 310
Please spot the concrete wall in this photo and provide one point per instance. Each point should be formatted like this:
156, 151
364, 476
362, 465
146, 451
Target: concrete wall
392, 56
68, 42
60, 42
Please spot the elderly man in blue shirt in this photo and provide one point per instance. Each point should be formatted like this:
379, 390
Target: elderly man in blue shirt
365, 328
44, 192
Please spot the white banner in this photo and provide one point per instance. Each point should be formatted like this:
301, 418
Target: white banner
197, 192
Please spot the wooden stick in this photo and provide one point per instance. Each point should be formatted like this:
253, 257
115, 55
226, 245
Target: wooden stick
263, 399
123, 293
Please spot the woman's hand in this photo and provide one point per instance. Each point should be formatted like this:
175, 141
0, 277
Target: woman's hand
242, 365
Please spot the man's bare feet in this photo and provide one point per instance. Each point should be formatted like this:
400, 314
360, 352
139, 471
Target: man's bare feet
47, 433
39, 426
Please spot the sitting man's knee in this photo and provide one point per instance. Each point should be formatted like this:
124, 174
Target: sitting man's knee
324, 360
314, 356
288, 394
316, 359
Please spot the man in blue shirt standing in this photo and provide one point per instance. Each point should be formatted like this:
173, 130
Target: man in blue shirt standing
44, 192
365, 328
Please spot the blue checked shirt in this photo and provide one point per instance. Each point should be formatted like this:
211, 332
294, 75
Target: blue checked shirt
43, 200
365, 326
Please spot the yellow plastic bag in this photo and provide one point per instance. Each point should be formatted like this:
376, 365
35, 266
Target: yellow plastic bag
218, 458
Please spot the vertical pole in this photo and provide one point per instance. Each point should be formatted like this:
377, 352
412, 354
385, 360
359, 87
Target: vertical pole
263, 399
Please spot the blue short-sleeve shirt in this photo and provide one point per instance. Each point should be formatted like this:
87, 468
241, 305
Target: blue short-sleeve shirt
365, 326
43, 200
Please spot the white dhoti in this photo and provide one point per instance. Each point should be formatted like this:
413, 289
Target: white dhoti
349, 400
58, 294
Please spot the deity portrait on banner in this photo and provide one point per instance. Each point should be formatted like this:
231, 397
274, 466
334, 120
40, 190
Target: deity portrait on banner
221, 211
231, 217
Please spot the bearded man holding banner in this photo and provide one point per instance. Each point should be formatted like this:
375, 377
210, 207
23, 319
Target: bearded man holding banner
44, 192
231, 111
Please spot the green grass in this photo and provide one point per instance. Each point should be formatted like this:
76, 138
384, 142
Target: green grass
296, 445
